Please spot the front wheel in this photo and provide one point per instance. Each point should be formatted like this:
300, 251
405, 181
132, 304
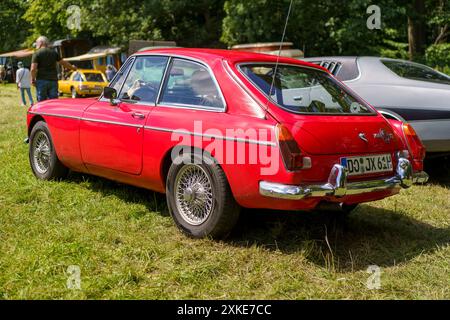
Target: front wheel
199, 198
43, 159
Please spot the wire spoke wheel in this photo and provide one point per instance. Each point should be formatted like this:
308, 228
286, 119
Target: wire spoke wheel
194, 194
41, 152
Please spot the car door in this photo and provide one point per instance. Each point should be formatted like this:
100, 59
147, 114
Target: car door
111, 136
64, 85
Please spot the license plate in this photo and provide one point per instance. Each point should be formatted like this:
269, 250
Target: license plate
368, 164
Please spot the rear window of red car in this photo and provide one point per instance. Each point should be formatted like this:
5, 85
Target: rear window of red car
304, 90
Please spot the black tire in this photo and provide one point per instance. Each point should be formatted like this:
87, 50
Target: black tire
48, 166
349, 208
224, 212
73, 93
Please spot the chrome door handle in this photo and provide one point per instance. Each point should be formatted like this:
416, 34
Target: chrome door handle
138, 115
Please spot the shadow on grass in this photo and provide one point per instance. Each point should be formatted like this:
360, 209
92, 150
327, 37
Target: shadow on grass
439, 171
369, 236
154, 202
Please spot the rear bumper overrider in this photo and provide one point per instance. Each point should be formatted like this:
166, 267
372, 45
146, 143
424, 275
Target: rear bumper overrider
338, 185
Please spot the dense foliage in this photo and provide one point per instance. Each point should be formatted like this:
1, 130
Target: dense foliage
13, 28
416, 29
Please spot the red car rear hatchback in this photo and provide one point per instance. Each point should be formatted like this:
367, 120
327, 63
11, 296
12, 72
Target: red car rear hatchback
218, 130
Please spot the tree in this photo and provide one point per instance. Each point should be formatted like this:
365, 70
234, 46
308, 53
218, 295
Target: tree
115, 22
48, 18
191, 23
326, 27
417, 29
13, 28
440, 21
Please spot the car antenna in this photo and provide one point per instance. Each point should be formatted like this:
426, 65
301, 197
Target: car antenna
279, 54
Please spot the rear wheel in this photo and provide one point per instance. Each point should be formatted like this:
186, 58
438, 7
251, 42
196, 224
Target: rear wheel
43, 159
199, 198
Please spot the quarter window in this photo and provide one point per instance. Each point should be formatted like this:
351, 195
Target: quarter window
416, 71
189, 83
119, 79
144, 79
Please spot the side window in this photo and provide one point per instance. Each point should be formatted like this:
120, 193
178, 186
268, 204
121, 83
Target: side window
120, 77
144, 79
191, 84
416, 71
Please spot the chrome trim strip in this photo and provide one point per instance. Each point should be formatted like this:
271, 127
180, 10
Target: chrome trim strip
113, 122
54, 115
89, 119
190, 107
193, 60
337, 185
163, 80
244, 88
211, 136
243, 140
132, 62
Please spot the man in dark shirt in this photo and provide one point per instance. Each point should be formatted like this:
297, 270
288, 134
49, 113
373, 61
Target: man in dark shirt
43, 70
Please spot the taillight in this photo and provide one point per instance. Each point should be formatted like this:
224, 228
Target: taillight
416, 148
290, 151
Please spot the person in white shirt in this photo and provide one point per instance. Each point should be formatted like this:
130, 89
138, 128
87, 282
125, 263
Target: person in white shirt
23, 80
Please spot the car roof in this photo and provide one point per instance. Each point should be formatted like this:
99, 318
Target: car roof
233, 56
88, 71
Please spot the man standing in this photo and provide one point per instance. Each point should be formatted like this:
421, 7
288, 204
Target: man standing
23, 80
43, 70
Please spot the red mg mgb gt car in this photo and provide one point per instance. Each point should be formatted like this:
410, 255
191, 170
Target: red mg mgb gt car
218, 130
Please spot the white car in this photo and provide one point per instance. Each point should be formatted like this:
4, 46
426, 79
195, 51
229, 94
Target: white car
403, 90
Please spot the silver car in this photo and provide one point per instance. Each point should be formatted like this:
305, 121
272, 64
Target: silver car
403, 90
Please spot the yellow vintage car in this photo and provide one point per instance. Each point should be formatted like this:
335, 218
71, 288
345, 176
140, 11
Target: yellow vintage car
83, 83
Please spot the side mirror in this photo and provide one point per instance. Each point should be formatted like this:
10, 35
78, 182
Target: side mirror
111, 94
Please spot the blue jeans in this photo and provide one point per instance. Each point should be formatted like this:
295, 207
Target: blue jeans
46, 89
22, 94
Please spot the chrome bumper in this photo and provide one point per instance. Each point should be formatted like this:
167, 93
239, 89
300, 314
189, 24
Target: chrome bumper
338, 186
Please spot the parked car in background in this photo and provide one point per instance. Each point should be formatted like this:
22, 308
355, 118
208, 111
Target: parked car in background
83, 83
402, 90
217, 130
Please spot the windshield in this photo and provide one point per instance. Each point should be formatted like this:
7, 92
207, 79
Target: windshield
94, 77
416, 71
303, 90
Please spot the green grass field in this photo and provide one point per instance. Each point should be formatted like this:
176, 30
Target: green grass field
127, 247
